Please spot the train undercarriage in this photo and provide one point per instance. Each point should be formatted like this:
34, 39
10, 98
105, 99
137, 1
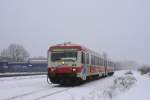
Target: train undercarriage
65, 79
72, 79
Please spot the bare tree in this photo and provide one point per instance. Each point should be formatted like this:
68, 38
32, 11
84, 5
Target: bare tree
4, 53
16, 52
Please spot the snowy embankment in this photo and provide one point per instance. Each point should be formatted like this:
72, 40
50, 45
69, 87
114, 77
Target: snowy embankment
105, 89
122, 85
141, 90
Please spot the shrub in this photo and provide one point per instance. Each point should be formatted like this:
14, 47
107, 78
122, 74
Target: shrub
144, 69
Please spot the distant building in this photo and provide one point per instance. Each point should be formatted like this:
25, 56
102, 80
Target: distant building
3, 66
6, 59
31, 65
37, 60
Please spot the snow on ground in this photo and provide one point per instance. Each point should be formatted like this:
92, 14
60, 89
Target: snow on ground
141, 90
123, 85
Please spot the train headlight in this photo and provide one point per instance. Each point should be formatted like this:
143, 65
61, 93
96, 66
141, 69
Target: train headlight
63, 62
73, 69
52, 69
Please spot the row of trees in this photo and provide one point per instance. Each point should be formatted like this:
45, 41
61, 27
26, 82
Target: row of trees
15, 52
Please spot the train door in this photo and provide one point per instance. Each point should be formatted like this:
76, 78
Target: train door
85, 63
105, 65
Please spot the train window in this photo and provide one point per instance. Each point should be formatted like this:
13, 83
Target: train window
83, 58
101, 62
87, 58
105, 63
110, 64
96, 60
92, 59
55, 56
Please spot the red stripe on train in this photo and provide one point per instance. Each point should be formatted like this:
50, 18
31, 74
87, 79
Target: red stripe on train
64, 69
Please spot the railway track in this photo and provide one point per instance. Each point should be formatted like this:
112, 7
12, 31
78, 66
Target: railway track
46, 92
21, 74
53, 93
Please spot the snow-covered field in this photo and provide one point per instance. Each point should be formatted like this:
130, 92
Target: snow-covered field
120, 86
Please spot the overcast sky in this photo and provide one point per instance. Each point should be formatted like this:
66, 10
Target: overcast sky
121, 28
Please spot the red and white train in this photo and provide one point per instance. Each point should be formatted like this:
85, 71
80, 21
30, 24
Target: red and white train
72, 63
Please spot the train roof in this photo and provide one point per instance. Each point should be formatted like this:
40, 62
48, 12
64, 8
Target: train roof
66, 45
77, 46
71, 45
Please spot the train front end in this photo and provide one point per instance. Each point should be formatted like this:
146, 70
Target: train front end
64, 65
